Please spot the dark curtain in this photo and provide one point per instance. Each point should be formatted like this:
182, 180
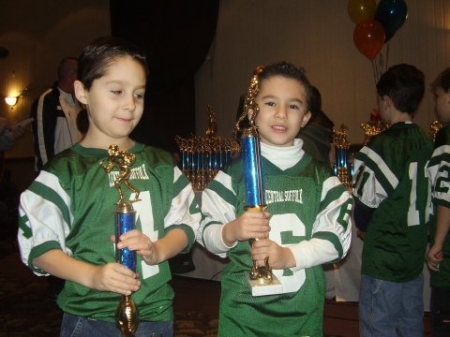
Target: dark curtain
176, 35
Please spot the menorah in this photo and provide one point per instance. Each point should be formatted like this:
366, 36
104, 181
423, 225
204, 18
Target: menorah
201, 158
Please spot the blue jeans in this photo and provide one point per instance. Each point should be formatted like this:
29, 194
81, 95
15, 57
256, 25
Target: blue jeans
389, 309
76, 326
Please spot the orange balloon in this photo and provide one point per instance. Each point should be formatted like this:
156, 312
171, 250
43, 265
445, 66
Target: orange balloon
360, 10
369, 38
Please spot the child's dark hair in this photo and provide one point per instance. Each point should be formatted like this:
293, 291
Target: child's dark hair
405, 85
288, 70
442, 81
97, 57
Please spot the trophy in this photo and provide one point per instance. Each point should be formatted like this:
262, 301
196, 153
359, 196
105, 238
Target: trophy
126, 314
343, 166
261, 278
435, 126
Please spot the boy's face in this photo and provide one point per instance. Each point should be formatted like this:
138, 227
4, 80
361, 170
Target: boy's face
115, 101
442, 105
282, 110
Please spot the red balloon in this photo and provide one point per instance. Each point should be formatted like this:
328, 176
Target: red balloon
369, 38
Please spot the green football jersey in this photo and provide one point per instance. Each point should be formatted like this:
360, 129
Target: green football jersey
439, 173
310, 213
390, 176
71, 206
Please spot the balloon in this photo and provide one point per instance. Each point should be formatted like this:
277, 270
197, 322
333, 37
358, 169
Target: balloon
391, 14
369, 38
360, 10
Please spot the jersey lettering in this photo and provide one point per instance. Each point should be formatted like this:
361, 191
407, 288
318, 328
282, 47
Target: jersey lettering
293, 230
418, 181
442, 182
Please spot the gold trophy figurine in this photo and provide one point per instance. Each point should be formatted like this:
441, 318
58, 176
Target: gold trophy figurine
127, 318
261, 279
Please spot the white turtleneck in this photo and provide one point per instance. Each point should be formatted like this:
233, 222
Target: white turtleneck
283, 157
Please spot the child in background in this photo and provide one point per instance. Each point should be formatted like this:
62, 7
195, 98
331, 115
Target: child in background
298, 234
392, 209
439, 253
67, 214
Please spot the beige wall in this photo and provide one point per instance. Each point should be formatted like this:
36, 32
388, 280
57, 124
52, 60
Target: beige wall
317, 35
38, 34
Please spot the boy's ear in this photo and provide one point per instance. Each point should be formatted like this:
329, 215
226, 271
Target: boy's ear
306, 118
387, 101
80, 92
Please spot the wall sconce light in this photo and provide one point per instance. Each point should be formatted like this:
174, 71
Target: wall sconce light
11, 100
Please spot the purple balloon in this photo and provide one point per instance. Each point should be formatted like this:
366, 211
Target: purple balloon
391, 14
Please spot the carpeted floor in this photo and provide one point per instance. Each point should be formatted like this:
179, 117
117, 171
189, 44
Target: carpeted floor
27, 311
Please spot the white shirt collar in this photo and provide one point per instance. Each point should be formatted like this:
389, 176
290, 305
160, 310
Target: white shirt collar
283, 157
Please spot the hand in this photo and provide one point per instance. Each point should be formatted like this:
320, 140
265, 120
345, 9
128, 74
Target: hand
14, 132
279, 257
435, 257
141, 243
17, 131
250, 225
116, 278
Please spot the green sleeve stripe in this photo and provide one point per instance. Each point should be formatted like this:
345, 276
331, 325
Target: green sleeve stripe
331, 237
179, 185
224, 192
52, 196
437, 159
38, 251
380, 176
333, 193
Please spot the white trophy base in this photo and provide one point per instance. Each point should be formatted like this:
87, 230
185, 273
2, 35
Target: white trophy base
261, 287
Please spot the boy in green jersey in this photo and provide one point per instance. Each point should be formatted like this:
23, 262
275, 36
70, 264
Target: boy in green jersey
68, 212
392, 209
438, 171
307, 222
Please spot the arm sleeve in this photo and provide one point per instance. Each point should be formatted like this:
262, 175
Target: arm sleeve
44, 219
217, 211
184, 210
331, 237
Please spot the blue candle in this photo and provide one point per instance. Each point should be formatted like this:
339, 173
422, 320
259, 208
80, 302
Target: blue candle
187, 160
337, 153
345, 158
201, 160
251, 157
183, 160
216, 160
